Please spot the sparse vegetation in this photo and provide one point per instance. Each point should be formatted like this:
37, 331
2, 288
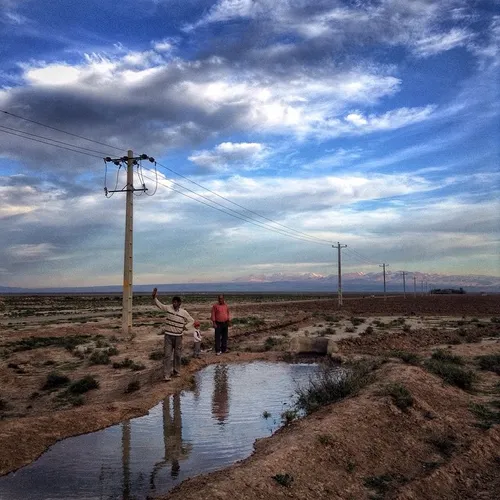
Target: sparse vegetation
283, 479
83, 385
444, 444
408, 357
288, 416
452, 373
487, 417
251, 321
333, 384
133, 386
325, 439
55, 381
128, 363
156, 355
490, 362
442, 355
400, 395
100, 357
266, 414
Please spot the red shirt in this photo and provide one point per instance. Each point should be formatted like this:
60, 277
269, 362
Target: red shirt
220, 313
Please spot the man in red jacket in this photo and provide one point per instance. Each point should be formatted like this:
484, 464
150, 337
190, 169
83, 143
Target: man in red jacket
221, 322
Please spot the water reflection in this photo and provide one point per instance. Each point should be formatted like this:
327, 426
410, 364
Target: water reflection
185, 435
220, 395
174, 448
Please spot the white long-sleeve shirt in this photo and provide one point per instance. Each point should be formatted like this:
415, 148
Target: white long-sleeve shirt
197, 335
176, 322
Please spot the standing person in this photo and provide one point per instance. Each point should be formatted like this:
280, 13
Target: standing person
177, 322
197, 340
221, 322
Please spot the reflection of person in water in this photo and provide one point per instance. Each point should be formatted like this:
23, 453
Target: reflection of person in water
172, 438
220, 397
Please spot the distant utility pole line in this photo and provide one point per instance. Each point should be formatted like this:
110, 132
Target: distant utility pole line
414, 286
339, 289
131, 160
404, 273
383, 266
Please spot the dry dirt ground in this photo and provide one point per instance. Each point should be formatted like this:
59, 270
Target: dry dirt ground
444, 444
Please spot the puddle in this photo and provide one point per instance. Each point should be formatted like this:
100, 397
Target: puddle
187, 434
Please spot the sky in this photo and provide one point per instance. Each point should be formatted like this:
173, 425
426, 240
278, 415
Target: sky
279, 129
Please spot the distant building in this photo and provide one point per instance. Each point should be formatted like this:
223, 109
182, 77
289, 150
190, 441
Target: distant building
447, 291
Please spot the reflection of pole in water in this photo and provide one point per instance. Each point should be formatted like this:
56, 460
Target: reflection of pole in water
126, 459
220, 396
172, 438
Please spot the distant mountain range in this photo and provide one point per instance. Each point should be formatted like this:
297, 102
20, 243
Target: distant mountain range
303, 282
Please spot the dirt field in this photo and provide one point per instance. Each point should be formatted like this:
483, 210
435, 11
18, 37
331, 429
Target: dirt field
445, 444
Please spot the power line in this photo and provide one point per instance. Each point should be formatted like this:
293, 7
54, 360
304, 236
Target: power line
51, 144
269, 228
360, 257
59, 130
241, 206
49, 139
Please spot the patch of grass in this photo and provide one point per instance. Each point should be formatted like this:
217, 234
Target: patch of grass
185, 360
325, 439
408, 357
128, 363
68, 343
283, 479
369, 330
444, 444
332, 384
133, 386
250, 321
156, 355
380, 484
83, 385
406, 328
54, 381
99, 358
288, 416
442, 355
451, 373
487, 417
400, 395
350, 329
270, 343
357, 321
490, 362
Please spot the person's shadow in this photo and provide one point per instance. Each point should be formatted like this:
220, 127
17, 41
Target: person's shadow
175, 450
220, 396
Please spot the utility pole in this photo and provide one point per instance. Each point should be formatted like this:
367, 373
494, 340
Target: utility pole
129, 189
383, 266
404, 283
339, 290
414, 286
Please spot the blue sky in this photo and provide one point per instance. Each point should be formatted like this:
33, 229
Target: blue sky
373, 123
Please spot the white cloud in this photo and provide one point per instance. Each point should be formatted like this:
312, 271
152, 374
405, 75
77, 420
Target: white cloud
229, 152
40, 251
441, 42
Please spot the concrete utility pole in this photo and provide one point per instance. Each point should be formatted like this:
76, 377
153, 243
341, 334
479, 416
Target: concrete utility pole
383, 266
129, 189
404, 283
339, 290
414, 286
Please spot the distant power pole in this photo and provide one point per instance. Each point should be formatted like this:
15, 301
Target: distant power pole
129, 232
422, 284
383, 266
339, 290
404, 283
414, 286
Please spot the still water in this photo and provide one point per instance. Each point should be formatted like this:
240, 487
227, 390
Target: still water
189, 433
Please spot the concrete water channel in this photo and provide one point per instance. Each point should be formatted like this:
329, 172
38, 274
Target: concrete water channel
206, 428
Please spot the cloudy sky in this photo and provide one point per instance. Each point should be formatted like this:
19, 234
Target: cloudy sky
279, 127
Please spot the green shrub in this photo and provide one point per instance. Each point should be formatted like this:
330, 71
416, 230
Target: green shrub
288, 416
331, 384
442, 355
156, 355
55, 380
283, 479
400, 395
83, 385
408, 357
487, 417
490, 362
133, 386
451, 373
99, 358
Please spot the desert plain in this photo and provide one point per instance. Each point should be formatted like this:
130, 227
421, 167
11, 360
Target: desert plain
424, 424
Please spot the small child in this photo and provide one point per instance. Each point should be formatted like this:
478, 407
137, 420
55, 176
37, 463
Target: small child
197, 340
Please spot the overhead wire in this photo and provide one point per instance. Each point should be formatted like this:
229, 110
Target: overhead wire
60, 130
50, 139
250, 221
242, 207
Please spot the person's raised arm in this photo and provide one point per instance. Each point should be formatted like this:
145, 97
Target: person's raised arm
156, 301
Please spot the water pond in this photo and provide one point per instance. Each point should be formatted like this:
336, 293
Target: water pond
193, 432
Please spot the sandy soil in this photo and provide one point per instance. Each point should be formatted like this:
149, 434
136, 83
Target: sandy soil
362, 447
